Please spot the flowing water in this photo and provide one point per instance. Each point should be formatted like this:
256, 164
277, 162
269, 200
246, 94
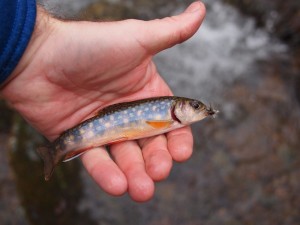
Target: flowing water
246, 164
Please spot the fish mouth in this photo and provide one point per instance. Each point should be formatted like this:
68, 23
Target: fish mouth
211, 112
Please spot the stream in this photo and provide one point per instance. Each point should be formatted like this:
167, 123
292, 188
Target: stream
245, 167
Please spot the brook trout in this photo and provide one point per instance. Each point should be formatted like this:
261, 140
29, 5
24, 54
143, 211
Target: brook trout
121, 122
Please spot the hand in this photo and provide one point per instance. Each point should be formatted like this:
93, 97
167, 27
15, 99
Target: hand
72, 69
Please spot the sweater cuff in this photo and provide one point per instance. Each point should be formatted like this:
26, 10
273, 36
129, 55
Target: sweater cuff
16, 27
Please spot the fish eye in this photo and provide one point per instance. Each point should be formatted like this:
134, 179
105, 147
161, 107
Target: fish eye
195, 104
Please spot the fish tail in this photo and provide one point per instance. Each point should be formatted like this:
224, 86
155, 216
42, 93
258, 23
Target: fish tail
46, 153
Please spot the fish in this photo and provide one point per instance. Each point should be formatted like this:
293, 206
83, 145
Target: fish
121, 122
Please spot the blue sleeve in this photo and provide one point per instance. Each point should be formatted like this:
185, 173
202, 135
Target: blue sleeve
17, 19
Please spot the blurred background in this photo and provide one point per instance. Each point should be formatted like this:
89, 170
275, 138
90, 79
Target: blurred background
245, 61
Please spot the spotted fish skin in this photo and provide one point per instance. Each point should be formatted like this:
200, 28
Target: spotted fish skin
118, 123
123, 121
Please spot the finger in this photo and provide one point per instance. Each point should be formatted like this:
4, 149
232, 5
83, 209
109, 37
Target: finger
180, 144
157, 35
129, 158
104, 171
158, 160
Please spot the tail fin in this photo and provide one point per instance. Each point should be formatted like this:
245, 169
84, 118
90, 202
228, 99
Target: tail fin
49, 161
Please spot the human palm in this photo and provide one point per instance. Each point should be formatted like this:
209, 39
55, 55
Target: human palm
73, 69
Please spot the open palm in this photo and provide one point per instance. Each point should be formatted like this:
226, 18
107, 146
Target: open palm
73, 69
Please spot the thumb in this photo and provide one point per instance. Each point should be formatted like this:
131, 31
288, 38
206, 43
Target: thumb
160, 34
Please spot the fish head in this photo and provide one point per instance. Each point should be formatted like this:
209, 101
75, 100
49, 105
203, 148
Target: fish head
188, 111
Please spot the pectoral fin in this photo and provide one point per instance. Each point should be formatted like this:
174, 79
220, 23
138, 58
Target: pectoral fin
158, 124
79, 152
75, 154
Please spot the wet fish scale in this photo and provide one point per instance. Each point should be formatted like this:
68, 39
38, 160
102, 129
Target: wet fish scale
118, 121
124, 121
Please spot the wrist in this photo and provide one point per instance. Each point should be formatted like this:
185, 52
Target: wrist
42, 29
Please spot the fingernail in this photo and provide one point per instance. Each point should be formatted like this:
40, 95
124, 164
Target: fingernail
194, 7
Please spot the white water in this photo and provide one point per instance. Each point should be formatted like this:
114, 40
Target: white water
227, 46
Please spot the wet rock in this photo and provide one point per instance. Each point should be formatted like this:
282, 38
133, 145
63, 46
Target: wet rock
135, 9
11, 210
6, 117
263, 152
106, 11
